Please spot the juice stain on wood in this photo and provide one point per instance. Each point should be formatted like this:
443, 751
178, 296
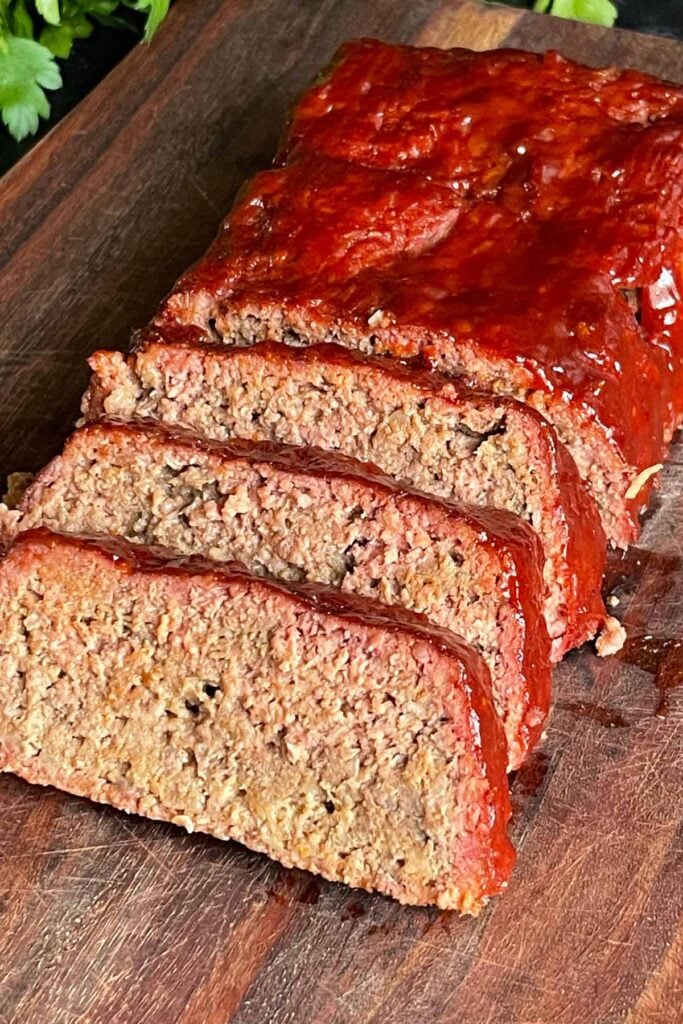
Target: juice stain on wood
661, 656
610, 718
625, 568
354, 909
526, 782
382, 929
296, 887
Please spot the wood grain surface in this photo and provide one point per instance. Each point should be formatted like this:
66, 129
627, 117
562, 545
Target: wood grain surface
110, 919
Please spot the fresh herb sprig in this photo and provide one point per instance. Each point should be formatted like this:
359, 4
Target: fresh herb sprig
599, 12
35, 34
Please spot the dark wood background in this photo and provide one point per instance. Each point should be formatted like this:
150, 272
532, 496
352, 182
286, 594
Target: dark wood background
105, 918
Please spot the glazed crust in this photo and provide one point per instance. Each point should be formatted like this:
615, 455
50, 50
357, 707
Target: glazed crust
596, 153
468, 114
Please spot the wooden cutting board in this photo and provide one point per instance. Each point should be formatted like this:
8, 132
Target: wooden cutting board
110, 919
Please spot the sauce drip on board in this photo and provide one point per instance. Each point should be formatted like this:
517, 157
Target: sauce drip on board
625, 568
295, 887
610, 718
527, 781
663, 657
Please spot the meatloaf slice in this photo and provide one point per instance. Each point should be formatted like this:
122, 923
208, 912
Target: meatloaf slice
325, 731
509, 303
306, 515
434, 435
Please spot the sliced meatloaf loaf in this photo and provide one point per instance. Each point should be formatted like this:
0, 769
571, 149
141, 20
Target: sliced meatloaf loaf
433, 435
325, 731
306, 515
510, 303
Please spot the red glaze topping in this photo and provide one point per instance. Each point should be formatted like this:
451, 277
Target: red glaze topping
470, 671
599, 152
476, 121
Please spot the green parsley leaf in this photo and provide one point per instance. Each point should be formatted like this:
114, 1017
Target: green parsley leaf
598, 12
156, 12
91, 8
48, 9
22, 25
26, 70
104, 12
58, 39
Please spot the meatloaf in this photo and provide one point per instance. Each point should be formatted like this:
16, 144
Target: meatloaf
318, 728
435, 436
306, 515
532, 248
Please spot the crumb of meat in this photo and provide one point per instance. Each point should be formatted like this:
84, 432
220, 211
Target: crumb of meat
10, 519
611, 639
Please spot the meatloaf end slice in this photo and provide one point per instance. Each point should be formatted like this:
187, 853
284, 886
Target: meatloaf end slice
507, 303
300, 514
324, 731
434, 435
